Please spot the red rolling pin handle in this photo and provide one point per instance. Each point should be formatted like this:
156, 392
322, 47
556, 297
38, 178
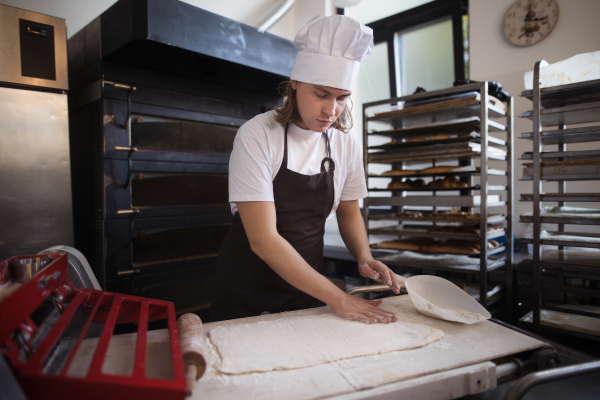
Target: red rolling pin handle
191, 339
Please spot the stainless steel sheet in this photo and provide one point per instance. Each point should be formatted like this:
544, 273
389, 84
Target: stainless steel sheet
35, 173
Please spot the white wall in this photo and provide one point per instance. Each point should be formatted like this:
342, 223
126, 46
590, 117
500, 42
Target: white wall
494, 59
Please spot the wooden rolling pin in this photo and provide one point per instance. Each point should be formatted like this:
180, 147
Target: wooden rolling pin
191, 340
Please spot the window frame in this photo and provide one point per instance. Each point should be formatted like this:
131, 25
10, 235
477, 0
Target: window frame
384, 30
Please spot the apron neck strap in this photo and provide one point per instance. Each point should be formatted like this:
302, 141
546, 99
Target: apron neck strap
327, 158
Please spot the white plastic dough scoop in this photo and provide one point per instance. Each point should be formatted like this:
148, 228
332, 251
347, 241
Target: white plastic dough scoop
429, 292
436, 297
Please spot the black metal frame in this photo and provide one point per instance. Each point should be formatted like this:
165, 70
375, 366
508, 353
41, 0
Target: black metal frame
385, 29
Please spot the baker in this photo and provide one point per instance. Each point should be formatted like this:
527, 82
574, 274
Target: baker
290, 168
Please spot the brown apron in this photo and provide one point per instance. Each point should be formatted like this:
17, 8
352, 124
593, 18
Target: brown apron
245, 285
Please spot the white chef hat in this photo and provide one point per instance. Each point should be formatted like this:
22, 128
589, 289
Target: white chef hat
330, 50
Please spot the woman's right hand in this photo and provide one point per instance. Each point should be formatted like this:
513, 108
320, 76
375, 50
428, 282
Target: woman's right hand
357, 309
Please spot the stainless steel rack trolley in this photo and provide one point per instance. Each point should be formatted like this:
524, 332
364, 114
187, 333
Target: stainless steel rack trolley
554, 271
444, 134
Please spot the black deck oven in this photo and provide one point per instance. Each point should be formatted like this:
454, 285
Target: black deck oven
158, 91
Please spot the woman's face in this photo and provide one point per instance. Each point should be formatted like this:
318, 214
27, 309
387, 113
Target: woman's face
319, 106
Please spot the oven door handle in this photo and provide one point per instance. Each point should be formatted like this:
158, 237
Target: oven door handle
130, 151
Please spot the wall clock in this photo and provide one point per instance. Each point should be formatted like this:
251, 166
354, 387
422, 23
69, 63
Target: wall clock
529, 21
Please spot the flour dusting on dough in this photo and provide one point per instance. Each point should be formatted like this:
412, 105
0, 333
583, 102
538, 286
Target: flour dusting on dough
304, 341
460, 313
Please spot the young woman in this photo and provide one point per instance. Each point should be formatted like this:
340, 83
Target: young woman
290, 168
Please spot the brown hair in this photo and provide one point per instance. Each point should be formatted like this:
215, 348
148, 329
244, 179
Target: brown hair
289, 111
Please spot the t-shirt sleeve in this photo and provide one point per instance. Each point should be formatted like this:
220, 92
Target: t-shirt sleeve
249, 171
355, 186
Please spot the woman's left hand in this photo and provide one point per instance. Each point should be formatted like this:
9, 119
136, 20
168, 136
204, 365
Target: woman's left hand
379, 272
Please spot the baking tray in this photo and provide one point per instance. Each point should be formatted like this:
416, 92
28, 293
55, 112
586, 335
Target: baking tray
564, 218
449, 156
568, 115
439, 262
571, 239
464, 171
572, 197
457, 126
561, 321
574, 155
572, 135
566, 170
425, 189
569, 259
558, 96
393, 217
439, 151
490, 252
394, 231
413, 117
473, 137
440, 201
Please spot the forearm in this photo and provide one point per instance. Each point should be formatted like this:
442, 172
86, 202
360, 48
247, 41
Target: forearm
279, 254
352, 230
259, 219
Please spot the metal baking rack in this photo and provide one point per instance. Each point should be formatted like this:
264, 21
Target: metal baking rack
550, 272
464, 113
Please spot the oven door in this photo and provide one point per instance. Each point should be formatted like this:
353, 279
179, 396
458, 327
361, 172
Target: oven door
177, 166
167, 208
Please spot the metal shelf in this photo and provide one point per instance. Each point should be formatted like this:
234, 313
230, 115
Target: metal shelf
454, 156
426, 189
405, 118
391, 261
568, 115
529, 326
490, 252
574, 93
439, 201
563, 136
408, 145
570, 197
561, 220
551, 178
394, 231
573, 155
456, 126
570, 239
394, 217
590, 268
493, 188
495, 172
564, 171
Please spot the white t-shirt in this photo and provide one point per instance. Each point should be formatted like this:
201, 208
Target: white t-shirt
258, 152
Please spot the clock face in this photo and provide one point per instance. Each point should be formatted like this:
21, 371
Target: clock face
529, 21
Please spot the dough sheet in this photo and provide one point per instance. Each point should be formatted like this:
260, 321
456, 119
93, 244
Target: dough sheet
293, 342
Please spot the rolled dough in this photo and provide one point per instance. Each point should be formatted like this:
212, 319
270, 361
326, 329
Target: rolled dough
293, 342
